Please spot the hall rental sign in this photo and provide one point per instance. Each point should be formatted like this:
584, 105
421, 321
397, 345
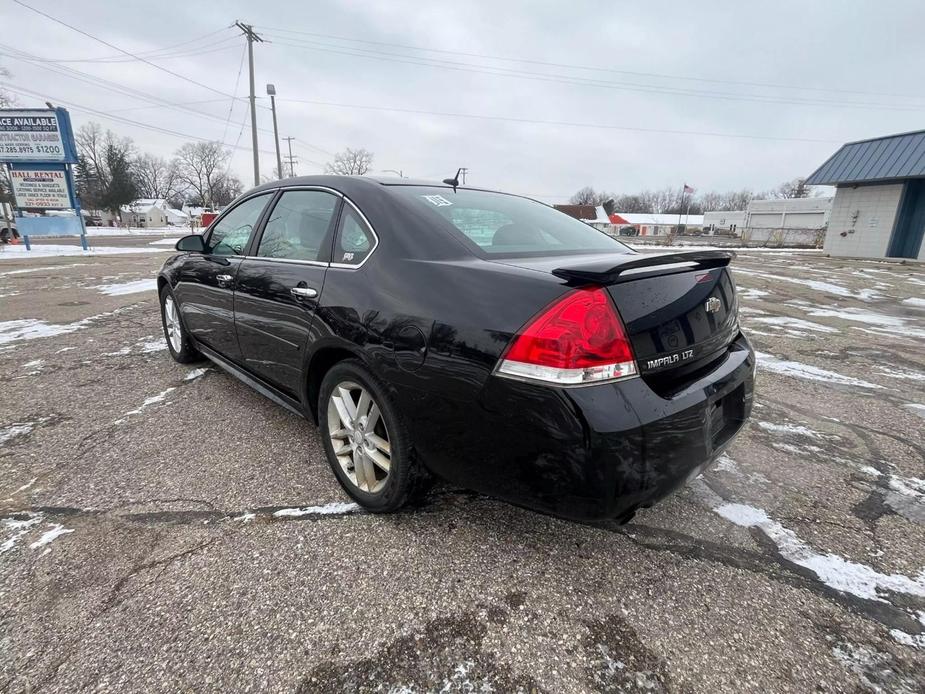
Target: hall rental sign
32, 136
41, 189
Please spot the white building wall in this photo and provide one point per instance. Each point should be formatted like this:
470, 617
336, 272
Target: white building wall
865, 215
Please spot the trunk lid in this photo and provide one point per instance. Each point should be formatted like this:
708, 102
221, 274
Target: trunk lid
680, 309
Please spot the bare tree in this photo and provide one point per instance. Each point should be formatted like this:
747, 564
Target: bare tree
589, 196
6, 99
201, 166
796, 188
157, 178
350, 162
226, 188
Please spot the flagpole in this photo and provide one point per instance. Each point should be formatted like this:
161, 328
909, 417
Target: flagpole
680, 206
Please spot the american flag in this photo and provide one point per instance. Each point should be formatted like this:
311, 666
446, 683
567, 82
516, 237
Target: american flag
687, 189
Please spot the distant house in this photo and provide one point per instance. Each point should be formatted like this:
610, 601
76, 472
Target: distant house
145, 212
651, 224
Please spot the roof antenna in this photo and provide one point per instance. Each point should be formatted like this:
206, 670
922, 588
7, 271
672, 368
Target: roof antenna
453, 181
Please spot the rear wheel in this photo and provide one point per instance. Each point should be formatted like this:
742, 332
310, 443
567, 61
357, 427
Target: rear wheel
178, 340
365, 440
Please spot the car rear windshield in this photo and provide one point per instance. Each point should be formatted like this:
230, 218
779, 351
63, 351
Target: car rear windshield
499, 224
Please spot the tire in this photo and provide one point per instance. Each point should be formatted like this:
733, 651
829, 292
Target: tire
405, 479
178, 340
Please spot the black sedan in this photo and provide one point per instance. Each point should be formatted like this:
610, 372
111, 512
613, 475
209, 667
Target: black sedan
483, 338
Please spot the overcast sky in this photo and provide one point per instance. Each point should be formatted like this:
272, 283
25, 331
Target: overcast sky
840, 71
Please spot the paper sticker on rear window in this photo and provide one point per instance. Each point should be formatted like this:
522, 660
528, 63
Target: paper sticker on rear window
437, 200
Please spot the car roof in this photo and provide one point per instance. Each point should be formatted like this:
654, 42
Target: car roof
353, 184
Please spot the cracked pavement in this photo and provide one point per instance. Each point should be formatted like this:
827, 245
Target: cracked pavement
164, 527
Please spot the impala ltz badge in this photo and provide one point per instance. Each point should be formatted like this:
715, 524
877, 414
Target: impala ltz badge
712, 305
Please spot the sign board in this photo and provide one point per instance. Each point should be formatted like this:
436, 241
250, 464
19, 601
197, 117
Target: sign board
43, 189
36, 135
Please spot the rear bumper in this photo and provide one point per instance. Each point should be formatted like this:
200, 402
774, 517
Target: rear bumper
596, 452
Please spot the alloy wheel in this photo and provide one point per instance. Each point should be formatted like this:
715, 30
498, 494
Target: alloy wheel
174, 329
359, 436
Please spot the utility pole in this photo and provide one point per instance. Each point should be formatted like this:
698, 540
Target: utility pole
252, 36
290, 157
271, 90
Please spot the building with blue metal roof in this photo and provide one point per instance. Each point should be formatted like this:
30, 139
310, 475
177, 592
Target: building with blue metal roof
879, 205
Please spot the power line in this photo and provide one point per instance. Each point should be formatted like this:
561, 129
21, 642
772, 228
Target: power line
121, 50
114, 87
768, 85
23, 91
234, 91
532, 121
371, 54
223, 45
153, 53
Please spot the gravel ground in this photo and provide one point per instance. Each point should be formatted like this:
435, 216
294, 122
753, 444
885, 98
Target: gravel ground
143, 548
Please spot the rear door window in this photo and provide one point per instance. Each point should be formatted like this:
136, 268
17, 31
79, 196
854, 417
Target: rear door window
230, 235
355, 240
299, 226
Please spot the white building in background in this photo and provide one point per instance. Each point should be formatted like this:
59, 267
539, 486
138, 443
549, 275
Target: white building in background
729, 222
788, 213
152, 212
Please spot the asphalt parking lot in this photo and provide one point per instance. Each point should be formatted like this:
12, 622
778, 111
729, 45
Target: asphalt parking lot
165, 528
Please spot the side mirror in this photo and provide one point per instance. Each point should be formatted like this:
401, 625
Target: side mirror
193, 243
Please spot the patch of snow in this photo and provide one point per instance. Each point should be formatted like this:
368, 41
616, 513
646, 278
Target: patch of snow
8, 433
154, 345
796, 369
57, 530
916, 641
858, 315
336, 508
164, 242
918, 409
152, 400
26, 486
245, 517
18, 529
817, 285
787, 321
752, 293
49, 250
836, 572
914, 302
196, 373
39, 269
32, 328
35, 363
127, 287
901, 374
797, 429
64, 349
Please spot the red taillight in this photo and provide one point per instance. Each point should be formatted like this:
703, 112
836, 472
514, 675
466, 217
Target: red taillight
578, 339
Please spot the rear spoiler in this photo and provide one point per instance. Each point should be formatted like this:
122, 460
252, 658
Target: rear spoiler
604, 271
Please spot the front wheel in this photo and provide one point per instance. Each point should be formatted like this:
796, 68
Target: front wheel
178, 340
365, 440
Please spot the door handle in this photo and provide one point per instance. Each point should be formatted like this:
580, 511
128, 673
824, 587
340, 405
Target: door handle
304, 292
224, 278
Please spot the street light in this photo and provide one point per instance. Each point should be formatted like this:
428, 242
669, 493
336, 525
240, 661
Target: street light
271, 90
400, 174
